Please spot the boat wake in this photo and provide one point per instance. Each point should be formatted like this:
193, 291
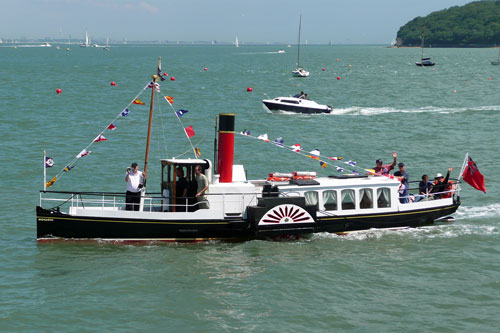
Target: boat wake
490, 211
371, 111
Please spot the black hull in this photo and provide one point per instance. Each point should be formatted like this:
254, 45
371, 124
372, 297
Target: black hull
52, 224
292, 108
424, 64
412, 219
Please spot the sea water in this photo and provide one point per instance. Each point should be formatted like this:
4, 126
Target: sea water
441, 278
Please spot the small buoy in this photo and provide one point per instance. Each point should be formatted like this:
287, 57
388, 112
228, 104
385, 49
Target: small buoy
166, 74
249, 89
454, 91
113, 83
338, 77
172, 78
338, 59
350, 65
67, 49
324, 69
489, 78
58, 90
205, 69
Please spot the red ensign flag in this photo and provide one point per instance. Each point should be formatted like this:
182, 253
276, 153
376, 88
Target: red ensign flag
472, 175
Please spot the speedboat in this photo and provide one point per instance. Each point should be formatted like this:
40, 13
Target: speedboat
300, 72
281, 51
425, 62
295, 104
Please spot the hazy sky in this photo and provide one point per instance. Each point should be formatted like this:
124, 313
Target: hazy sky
341, 21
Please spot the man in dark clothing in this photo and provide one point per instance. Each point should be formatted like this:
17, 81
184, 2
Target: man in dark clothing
440, 184
402, 175
181, 187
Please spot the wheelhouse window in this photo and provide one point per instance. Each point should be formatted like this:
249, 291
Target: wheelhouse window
347, 197
366, 198
289, 101
383, 197
311, 197
330, 199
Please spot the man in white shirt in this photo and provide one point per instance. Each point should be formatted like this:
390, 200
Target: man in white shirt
134, 179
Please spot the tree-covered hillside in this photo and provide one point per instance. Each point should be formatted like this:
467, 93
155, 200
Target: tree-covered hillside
476, 24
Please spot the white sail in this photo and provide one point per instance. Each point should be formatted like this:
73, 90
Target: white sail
236, 42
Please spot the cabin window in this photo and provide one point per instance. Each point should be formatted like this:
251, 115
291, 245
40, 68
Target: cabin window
366, 198
330, 199
289, 101
383, 197
348, 199
311, 197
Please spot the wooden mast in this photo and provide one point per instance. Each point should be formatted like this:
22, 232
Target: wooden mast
153, 88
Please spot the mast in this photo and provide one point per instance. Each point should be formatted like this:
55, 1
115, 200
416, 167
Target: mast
153, 88
298, 44
423, 39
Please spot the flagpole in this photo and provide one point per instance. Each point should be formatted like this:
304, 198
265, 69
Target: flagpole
463, 166
146, 158
44, 171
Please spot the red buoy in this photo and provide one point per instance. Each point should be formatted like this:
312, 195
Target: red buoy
324, 69
249, 89
338, 77
58, 90
165, 74
337, 59
113, 83
172, 78
205, 69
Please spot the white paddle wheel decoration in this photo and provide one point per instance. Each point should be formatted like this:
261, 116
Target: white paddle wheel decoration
286, 214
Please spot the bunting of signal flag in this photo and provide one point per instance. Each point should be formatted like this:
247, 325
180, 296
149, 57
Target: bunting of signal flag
245, 132
180, 112
111, 127
197, 152
68, 168
278, 142
169, 99
49, 162
125, 113
84, 152
49, 183
138, 102
189, 131
263, 137
323, 164
100, 138
296, 148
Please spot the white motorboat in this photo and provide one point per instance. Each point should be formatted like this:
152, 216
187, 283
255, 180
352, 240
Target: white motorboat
295, 104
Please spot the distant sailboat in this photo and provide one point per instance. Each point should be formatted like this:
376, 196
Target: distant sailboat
424, 62
300, 72
87, 40
106, 48
236, 42
497, 62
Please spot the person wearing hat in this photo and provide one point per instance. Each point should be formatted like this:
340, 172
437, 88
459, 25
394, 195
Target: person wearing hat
135, 181
440, 184
402, 175
383, 170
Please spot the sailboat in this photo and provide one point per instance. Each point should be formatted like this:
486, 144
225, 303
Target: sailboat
87, 40
497, 62
106, 48
299, 72
424, 62
236, 42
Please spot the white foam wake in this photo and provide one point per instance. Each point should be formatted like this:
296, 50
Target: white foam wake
372, 111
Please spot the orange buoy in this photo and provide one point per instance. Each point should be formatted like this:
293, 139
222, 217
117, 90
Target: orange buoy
113, 83
324, 69
172, 78
249, 89
338, 77
58, 90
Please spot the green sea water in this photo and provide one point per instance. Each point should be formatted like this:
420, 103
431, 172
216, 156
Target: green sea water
442, 278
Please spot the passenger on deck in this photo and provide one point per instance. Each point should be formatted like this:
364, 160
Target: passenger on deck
202, 181
402, 175
299, 95
440, 185
383, 170
424, 188
181, 187
135, 181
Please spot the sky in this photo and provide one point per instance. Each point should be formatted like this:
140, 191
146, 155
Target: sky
338, 21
